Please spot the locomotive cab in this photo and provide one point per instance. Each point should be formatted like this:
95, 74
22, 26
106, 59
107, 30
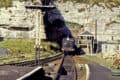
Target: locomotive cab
68, 44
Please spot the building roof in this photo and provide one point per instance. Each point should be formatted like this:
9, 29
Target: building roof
86, 33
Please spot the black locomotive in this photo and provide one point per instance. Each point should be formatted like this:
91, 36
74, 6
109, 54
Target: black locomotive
68, 44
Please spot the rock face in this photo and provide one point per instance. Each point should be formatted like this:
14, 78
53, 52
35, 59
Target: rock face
100, 17
14, 21
90, 16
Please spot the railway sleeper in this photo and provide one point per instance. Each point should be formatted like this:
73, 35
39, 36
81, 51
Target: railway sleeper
68, 77
69, 69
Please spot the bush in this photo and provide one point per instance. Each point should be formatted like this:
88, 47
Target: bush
116, 63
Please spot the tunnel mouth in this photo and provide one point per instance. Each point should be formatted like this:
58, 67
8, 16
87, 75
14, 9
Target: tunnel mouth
55, 25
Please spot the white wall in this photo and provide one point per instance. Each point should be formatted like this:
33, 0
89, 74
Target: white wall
110, 48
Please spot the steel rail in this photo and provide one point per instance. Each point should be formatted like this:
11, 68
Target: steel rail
33, 62
67, 69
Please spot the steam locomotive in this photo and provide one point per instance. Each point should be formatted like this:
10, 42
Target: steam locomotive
68, 44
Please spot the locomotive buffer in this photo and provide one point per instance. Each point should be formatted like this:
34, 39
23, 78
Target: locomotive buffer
39, 23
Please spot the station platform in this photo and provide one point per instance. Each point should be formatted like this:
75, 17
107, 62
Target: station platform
13, 72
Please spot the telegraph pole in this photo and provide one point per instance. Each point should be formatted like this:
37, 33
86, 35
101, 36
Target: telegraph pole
39, 24
38, 35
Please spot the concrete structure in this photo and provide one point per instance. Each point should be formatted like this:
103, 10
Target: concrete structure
110, 48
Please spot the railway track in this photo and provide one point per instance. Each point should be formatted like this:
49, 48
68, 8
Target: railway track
33, 62
67, 70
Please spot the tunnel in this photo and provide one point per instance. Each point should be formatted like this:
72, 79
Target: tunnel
55, 26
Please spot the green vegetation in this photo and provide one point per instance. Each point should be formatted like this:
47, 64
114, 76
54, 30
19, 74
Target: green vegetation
5, 3
23, 49
19, 50
18, 46
99, 60
112, 63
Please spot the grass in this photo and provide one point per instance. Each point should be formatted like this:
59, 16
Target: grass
18, 46
106, 62
23, 50
99, 60
19, 49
